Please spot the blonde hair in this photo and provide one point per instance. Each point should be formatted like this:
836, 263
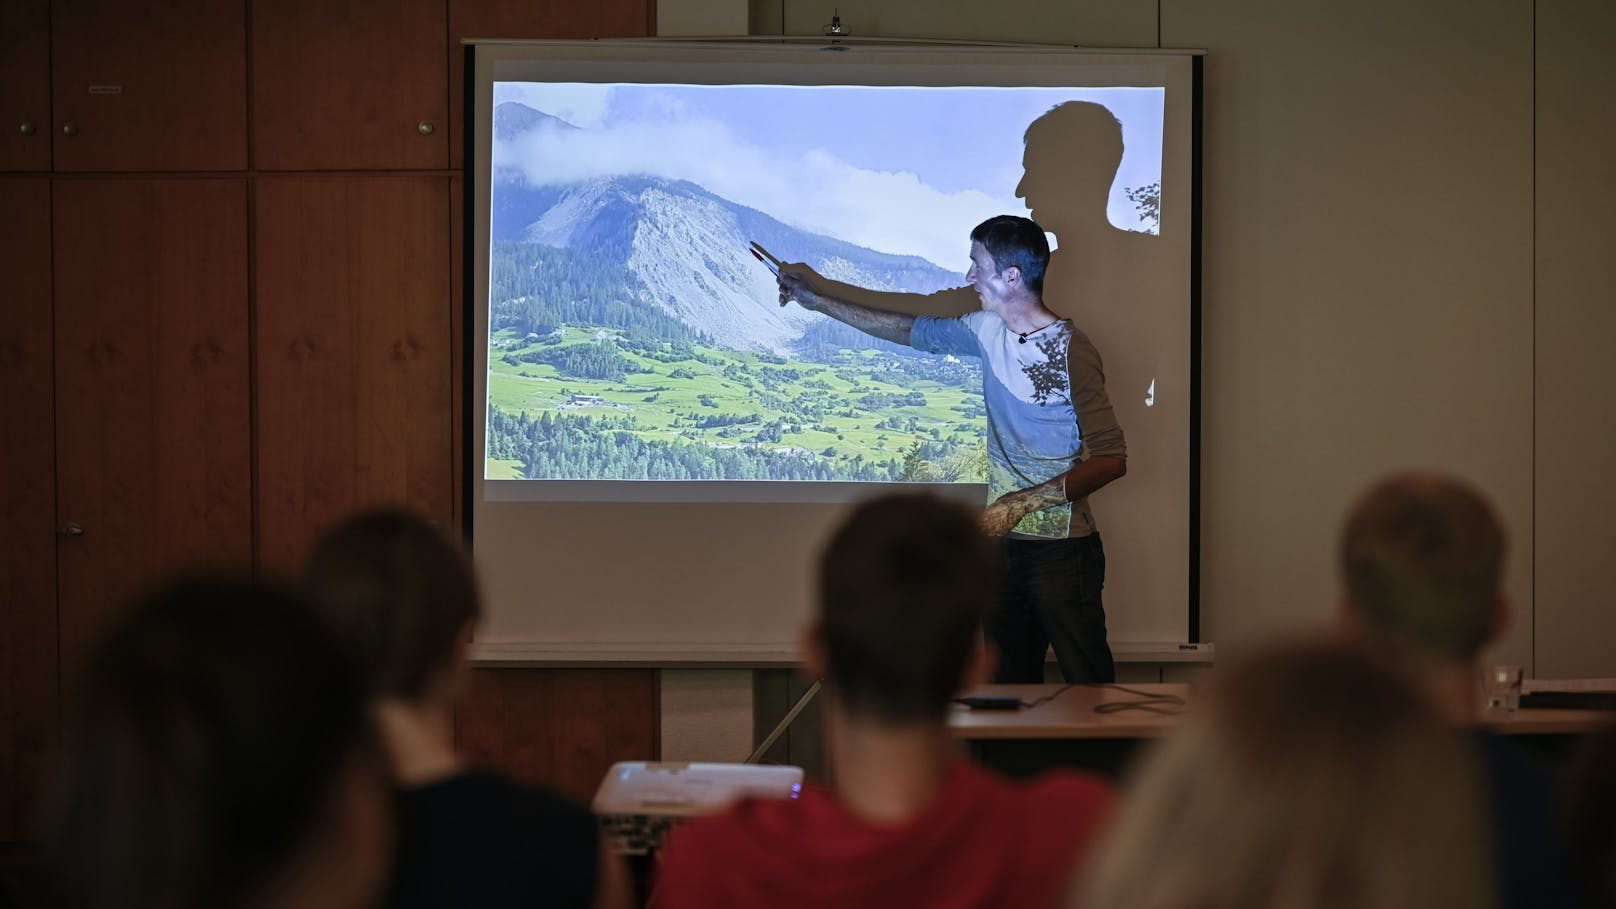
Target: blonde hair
1312, 777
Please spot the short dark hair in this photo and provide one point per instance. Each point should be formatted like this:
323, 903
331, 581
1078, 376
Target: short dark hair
203, 741
903, 585
399, 592
1421, 561
1016, 241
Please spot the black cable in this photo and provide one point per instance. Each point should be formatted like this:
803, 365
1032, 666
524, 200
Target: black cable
1164, 704
1047, 698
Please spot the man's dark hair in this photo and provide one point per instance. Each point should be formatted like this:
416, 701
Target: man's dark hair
1015, 241
398, 592
203, 741
903, 585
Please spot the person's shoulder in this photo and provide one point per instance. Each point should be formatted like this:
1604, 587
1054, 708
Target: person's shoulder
477, 838
743, 827
751, 817
983, 324
972, 319
1077, 336
487, 795
714, 859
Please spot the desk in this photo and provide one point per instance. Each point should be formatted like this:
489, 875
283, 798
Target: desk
1066, 731
1069, 713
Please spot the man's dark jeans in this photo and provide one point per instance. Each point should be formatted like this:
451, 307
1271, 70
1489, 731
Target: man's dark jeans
1052, 596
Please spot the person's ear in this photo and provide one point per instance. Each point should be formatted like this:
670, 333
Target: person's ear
1012, 274
813, 652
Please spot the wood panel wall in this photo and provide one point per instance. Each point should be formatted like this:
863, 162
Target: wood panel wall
25, 126
549, 724
353, 336
234, 315
27, 499
153, 450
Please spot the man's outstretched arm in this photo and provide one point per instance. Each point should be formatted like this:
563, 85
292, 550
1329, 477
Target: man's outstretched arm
796, 285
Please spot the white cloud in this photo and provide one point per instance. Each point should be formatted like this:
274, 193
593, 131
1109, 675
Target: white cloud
893, 212
580, 105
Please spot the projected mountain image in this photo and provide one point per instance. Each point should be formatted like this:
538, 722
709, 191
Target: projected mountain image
632, 336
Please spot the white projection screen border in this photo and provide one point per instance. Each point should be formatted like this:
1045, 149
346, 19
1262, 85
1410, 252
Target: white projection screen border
584, 571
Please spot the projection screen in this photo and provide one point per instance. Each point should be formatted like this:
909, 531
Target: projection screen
655, 448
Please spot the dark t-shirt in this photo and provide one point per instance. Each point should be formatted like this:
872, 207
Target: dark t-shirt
477, 840
1532, 861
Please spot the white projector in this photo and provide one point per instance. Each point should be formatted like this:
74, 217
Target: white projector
637, 801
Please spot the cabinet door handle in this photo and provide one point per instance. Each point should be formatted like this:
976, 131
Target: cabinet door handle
70, 130
424, 128
28, 128
70, 529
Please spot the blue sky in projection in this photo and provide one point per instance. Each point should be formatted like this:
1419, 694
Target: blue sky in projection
900, 170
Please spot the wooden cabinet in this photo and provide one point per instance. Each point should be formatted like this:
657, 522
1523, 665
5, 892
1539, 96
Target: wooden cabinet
530, 19
28, 694
349, 84
149, 85
25, 85
353, 352
151, 368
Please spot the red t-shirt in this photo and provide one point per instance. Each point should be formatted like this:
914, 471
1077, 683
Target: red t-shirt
985, 841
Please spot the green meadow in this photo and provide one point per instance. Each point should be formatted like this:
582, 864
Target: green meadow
862, 414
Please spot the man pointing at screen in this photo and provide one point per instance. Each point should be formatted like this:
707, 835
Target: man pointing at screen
1052, 440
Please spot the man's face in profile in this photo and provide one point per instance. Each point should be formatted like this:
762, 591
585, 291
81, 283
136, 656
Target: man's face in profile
985, 279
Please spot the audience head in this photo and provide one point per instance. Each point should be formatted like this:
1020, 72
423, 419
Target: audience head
216, 753
903, 585
1309, 776
1015, 242
401, 593
1421, 563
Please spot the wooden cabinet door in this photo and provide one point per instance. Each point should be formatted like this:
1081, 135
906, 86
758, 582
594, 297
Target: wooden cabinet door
353, 353
144, 85
349, 85
529, 19
25, 85
152, 432
27, 504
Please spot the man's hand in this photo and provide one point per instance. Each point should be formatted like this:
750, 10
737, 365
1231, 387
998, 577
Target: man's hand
1005, 513
802, 284
796, 284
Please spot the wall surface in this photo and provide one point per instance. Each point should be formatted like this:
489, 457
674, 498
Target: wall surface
1368, 281
1407, 208
1575, 319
